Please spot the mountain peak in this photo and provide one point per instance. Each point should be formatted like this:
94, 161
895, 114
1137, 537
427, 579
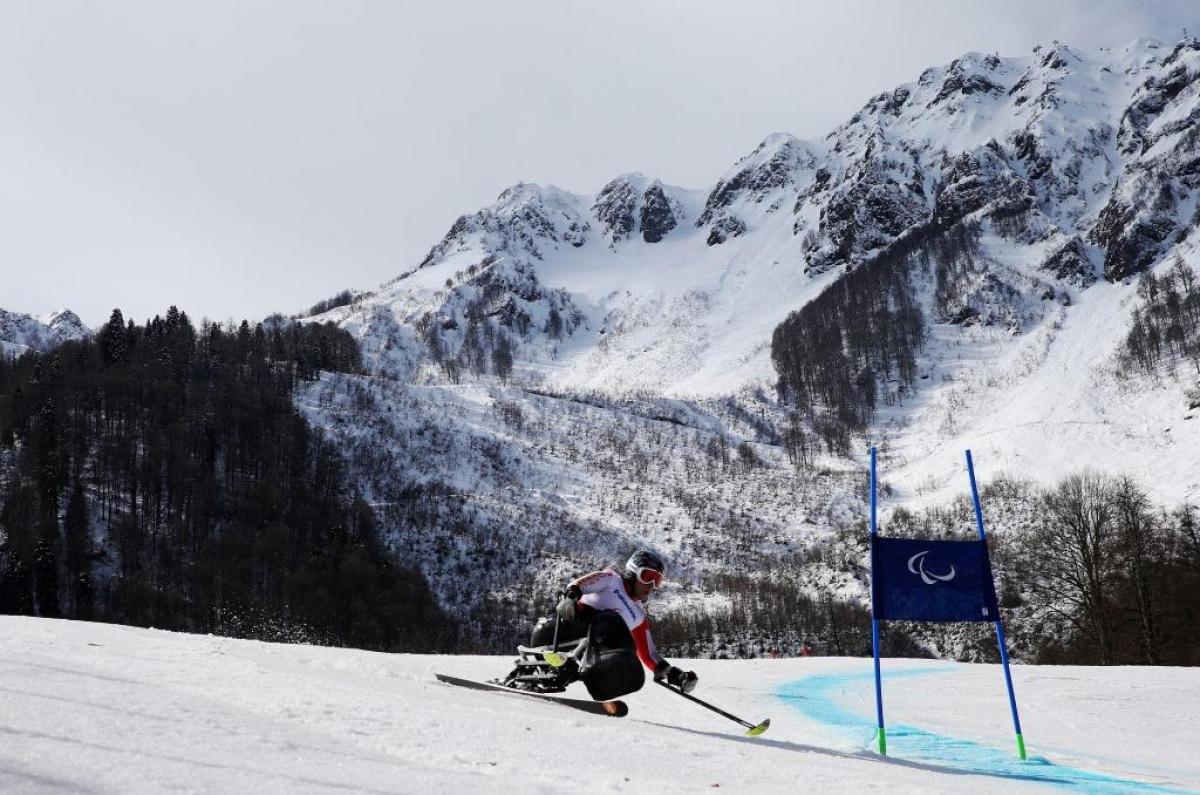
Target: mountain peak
632, 202
776, 141
66, 323
1033, 146
1057, 55
523, 193
20, 332
772, 167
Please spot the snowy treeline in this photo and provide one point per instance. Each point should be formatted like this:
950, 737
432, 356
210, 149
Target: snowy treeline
1165, 330
499, 494
1088, 570
161, 475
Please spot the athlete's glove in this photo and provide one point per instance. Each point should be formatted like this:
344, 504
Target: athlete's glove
676, 677
567, 604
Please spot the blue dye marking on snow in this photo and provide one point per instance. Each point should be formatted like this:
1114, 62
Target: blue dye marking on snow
814, 697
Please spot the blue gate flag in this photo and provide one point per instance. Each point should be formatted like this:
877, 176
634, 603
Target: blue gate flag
916, 580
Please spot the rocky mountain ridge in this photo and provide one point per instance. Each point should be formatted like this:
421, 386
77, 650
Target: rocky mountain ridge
1088, 161
20, 332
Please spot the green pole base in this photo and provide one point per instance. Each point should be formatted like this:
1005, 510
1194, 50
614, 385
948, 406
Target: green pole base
1021, 747
881, 735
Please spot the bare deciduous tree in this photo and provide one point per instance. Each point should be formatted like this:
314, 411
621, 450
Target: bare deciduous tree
1075, 549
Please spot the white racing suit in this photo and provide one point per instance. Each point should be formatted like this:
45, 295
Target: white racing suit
617, 632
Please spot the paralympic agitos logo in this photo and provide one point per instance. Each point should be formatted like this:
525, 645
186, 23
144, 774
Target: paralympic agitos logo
916, 564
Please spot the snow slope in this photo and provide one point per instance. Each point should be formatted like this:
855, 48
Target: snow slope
103, 708
1040, 406
554, 484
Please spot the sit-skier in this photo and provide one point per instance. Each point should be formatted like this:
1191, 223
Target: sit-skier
601, 616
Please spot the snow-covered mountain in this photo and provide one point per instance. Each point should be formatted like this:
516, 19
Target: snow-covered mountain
568, 375
20, 332
565, 375
1084, 161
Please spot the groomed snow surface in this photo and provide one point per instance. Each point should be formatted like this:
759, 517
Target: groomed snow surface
103, 708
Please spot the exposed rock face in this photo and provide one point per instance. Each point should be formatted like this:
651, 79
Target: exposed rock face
724, 228
67, 325
658, 216
973, 181
631, 204
1146, 211
525, 220
777, 163
1051, 170
1071, 264
616, 209
1178, 72
962, 79
20, 332
769, 178
1130, 234
878, 198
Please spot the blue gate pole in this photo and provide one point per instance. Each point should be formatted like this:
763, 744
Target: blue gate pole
1012, 696
880, 734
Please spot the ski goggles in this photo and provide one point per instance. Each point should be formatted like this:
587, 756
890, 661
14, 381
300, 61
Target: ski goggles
651, 577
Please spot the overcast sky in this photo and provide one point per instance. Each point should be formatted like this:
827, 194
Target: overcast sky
238, 158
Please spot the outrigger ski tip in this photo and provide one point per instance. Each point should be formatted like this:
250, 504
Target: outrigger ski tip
759, 729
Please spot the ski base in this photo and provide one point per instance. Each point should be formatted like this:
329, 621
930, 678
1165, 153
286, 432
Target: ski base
615, 709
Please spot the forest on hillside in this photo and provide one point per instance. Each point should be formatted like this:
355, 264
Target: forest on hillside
1092, 571
1165, 331
161, 475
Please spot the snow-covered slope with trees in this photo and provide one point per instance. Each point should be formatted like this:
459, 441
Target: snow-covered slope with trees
961, 263
566, 375
105, 708
1074, 166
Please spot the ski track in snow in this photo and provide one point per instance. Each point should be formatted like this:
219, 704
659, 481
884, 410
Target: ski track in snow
106, 708
818, 698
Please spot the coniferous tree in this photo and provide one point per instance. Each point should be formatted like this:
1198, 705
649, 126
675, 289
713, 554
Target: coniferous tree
46, 572
16, 591
112, 338
78, 543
